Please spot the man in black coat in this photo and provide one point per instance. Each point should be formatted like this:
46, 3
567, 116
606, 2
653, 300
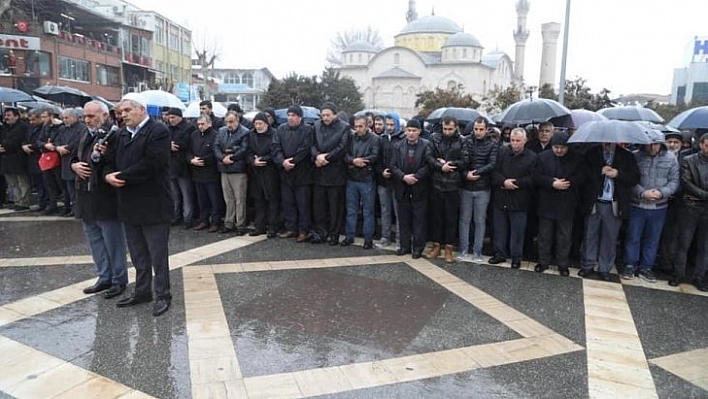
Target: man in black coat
558, 176
51, 130
446, 162
611, 173
66, 145
33, 152
14, 160
264, 185
97, 205
181, 186
411, 177
512, 182
139, 167
329, 145
205, 175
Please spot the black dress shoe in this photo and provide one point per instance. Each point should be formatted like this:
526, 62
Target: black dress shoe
515, 264
495, 260
226, 230
700, 284
563, 271
604, 276
584, 272
98, 287
256, 233
114, 291
540, 268
133, 300
347, 242
19, 208
675, 281
287, 234
161, 306
401, 252
334, 240
368, 244
271, 234
416, 254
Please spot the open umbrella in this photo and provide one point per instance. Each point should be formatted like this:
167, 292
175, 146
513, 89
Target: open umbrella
192, 110
64, 95
104, 101
611, 131
631, 113
374, 112
8, 95
582, 116
309, 114
40, 106
694, 118
533, 110
463, 115
159, 98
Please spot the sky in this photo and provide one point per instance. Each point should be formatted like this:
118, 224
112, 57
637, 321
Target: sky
626, 46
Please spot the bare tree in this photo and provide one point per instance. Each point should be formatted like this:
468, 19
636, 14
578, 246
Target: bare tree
207, 50
345, 38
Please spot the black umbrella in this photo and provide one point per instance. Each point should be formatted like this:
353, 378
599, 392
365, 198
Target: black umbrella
374, 112
463, 115
8, 95
63, 94
611, 131
533, 110
40, 106
631, 113
694, 118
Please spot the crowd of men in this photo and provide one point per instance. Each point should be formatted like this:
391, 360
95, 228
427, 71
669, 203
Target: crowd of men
129, 177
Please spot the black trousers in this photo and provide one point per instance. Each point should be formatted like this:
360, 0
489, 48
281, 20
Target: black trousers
55, 185
412, 218
267, 213
444, 216
328, 201
296, 207
554, 234
147, 244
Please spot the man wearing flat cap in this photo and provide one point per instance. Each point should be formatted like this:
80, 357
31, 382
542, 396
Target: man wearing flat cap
181, 187
329, 146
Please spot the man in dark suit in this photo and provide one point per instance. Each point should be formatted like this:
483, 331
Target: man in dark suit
96, 205
411, 176
138, 167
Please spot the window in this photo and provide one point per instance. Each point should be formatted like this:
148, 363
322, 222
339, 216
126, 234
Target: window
8, 61
231, 78
451, 84
464, 53
681, 95
107, 75
396, 58
186, 43
159, 35
247, 79
73, 69
700, 91
38, 64
174, 38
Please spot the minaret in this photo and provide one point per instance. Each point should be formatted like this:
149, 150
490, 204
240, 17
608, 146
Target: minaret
520, 36
550, 32
412, 14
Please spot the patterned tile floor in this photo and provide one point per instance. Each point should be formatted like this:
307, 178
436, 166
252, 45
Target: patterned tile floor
262, 318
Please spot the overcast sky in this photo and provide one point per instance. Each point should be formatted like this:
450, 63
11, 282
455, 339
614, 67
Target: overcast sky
628, 46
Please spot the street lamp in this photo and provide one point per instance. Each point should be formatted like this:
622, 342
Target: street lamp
564, 57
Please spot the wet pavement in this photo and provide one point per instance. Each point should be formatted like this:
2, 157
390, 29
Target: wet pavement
257, 317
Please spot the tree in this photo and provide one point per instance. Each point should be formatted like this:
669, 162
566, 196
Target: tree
313, 91
345, 38
207, 50
547, 91
431, 100
498, 99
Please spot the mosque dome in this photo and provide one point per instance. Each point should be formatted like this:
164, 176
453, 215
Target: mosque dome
462, 40
360, 46
431, 24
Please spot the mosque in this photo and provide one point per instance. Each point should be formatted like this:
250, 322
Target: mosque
428, 53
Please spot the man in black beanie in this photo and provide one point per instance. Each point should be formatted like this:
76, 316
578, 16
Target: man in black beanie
329, 146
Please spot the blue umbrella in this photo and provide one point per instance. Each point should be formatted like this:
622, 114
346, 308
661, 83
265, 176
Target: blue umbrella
309, 114
694, 118
8, 95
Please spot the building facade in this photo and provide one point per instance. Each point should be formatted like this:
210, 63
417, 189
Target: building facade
59, 43
691, 82
430, 52
242, 86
